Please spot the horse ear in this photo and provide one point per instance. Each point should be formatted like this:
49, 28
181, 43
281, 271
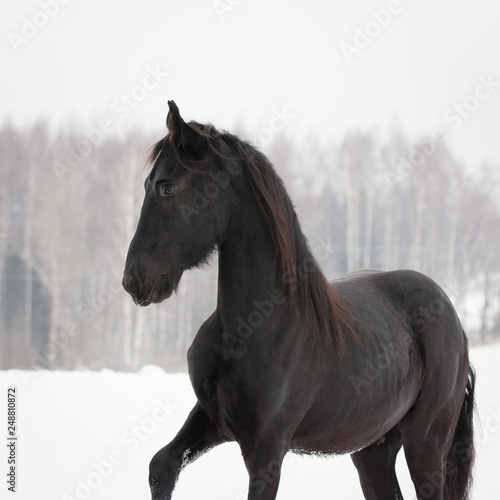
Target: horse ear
181, 134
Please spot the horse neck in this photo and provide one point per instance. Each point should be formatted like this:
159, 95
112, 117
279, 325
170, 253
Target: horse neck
247, 270
255, 271
248, 266
255, 311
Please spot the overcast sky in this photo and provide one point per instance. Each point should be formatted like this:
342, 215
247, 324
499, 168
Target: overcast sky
323, 66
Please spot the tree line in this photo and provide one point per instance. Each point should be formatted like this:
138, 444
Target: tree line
69, 206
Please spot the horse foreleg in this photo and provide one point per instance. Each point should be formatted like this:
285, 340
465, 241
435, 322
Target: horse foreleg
263, 461
196, 436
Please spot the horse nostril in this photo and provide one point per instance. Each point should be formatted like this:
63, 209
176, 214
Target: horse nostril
131, 284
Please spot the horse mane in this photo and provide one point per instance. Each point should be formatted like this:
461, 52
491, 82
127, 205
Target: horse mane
303, 280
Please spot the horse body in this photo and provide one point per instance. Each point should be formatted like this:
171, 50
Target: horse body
364, 365
388, 362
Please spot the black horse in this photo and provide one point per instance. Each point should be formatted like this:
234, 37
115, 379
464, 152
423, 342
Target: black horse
287, 361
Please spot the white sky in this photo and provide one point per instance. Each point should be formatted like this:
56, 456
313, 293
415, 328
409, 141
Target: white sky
261, 56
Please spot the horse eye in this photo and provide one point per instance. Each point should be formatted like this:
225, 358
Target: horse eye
167, 190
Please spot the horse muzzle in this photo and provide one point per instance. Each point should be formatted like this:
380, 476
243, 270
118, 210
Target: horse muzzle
145, 292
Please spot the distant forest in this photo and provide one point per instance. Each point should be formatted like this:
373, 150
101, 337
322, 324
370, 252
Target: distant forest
69, 205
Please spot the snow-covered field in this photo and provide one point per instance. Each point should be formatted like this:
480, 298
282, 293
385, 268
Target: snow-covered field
90, 435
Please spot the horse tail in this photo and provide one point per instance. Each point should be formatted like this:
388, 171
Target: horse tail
461, 454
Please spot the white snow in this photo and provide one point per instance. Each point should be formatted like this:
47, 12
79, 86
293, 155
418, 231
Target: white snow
91, 435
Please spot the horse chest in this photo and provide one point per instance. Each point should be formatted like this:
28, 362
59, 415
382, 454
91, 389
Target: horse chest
240, 393
216, 392
234, 405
